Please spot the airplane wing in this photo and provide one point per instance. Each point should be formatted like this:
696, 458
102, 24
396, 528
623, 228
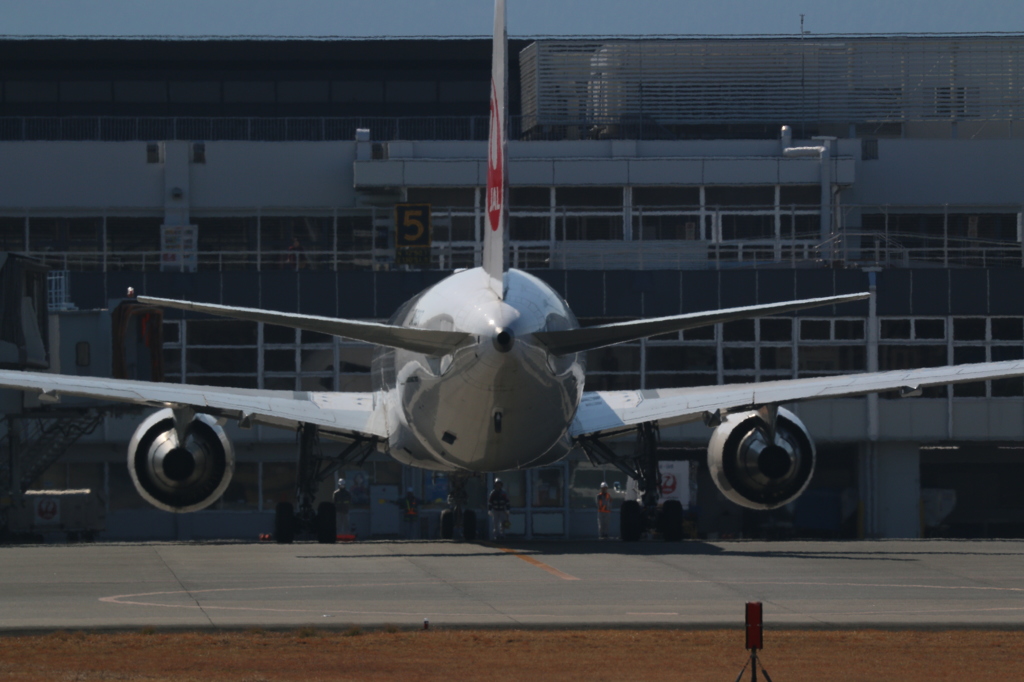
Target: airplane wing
599, 336
427, 341
607, 411
341, 413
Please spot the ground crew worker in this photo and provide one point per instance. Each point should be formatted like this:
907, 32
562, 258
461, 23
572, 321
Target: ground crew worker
342, 503
604, 511
458, 500
497, 506
410, 507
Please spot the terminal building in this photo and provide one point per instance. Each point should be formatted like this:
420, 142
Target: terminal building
649, 177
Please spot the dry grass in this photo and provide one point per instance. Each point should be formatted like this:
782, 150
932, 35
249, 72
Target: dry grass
490, 655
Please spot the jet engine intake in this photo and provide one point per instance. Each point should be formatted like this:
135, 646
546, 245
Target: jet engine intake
758, 472
180, 476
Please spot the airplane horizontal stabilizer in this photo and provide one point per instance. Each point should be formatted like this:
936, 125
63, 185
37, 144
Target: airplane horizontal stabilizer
589, 338
427, 341
610, 411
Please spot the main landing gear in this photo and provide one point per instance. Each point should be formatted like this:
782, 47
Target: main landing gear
638, 516
458, 516
313, 469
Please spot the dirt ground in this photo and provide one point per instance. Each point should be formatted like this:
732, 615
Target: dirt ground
490, 655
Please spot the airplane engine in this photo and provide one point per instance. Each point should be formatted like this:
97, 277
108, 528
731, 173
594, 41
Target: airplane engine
180, 477
754, 473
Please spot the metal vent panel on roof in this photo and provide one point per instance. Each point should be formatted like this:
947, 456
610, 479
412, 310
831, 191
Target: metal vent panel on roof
688, 81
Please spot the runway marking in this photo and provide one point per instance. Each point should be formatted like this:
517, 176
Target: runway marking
539, 564
147, 598
131, 599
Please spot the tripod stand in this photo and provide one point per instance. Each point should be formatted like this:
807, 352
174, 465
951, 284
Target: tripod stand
753, 663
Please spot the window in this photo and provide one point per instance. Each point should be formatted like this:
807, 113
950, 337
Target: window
776, 329
681, 358
895, 329
219, 353
737, 358
463, 197
700, 334
589, 197
525, 198
969, 329
127, 234
799, 195
83, 354
849, 330
293, 242
547, 485
814, 359
930, 329
1007, 329
763, 196
815, 330
589, 227
514, 483
12, 234
740, 330
779, 358
585, 481
666, 196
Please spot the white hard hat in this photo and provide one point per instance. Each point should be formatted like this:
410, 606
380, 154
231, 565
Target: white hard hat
497, 481
603, 484
341, 482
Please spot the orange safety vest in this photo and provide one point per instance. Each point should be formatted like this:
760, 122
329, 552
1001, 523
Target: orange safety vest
604, 503
410, 507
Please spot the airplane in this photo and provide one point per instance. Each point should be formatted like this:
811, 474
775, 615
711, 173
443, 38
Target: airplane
485, 372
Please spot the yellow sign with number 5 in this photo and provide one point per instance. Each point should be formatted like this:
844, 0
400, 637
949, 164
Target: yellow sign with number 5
412, 225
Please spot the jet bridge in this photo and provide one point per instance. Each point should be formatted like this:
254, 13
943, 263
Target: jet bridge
37, 430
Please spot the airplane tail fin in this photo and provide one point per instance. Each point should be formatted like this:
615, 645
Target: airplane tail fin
495, 234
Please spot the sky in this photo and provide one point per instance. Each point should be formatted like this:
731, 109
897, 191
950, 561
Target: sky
526, 18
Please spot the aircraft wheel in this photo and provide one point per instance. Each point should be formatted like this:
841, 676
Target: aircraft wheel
630, 525
447, 524
469, 525
672, 520
284, 523
326, 523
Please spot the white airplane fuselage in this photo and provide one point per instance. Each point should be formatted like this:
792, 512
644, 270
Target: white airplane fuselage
500, 401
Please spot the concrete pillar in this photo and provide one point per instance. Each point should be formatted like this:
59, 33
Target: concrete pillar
176, 183
890, 489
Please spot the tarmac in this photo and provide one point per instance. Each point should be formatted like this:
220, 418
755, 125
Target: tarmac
820, 585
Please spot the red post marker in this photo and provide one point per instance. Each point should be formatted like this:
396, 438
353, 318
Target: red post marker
755, 633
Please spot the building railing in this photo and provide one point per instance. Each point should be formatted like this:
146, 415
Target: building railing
382, 129
637, 237
264, 129
850, 248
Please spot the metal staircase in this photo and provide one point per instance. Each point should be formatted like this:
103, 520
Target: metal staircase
42, 439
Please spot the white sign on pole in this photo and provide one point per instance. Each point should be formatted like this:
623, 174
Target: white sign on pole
675, 483
179, 248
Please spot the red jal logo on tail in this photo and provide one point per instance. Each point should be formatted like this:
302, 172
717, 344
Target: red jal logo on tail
495, 165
